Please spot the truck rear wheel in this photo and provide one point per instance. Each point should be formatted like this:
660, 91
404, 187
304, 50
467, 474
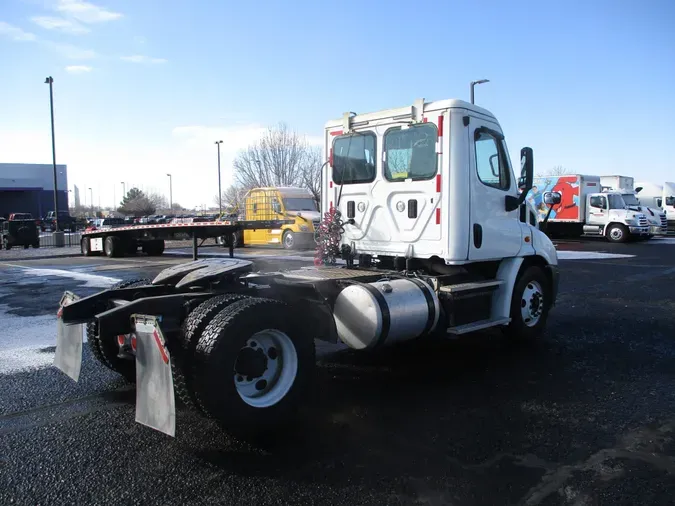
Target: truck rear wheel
105, 348
193, 326
530, 304
253, 366
616, 233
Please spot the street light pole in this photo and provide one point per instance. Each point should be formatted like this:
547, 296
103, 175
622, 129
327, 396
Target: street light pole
50, 81
124, 189
91, 201
170, 193
220, 192
474, 83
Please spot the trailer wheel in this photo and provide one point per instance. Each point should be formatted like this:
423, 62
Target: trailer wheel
85, 247
530, 304
616, 233
105, 348
112, 246
154, 248
253, 367
193, 326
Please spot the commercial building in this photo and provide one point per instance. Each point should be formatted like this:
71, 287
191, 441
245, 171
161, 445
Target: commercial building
29, 188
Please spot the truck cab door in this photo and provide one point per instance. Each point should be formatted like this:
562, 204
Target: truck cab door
494, 232
597, 210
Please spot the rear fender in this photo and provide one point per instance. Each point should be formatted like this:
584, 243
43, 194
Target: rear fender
84, 310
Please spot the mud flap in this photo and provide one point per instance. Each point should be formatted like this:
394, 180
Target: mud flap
68, 355
155, 402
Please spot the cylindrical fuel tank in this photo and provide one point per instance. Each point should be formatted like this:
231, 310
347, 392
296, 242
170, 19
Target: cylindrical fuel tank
369, 315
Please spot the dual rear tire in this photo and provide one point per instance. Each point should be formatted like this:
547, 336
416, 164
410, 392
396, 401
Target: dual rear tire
245, 363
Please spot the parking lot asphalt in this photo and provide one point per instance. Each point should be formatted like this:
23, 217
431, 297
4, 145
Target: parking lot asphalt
583, 416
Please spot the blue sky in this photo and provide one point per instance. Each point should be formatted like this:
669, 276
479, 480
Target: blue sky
144, 87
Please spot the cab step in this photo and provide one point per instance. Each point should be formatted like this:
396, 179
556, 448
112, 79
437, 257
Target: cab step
479, 325
471, 286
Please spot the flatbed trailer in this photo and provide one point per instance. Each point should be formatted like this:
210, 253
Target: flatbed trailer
126, 240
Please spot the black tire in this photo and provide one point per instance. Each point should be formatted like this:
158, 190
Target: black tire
288, 240
5, 244
522, 330
616, 233
105, 348
217, 356
154, 248
112, 246
193, 326
85, 247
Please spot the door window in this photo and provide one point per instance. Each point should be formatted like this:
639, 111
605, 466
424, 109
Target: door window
493, 170
599, 202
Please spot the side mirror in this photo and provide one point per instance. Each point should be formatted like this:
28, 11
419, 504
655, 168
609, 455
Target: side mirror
526, 179
638, 189
552, 198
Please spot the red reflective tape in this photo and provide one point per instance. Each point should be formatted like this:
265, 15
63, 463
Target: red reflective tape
165, 357
331, 184
438, 216
440, 126
330, 157
424, 120
331, 205
438, 183
336, 132
59, 313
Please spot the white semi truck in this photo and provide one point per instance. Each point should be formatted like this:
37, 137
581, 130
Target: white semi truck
425, 210
661, 196
658, 224
585, 209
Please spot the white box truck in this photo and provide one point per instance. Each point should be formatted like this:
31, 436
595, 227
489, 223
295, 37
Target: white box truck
661, 195
585, 209
658, 224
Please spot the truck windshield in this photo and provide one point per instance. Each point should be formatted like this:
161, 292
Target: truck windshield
630, 199
410, 153
670, 201
354, 158
300, 204
616, 202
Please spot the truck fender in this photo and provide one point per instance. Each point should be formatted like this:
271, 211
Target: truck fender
508, 273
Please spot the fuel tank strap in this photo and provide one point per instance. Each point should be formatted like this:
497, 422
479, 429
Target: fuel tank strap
384, 309
430, 303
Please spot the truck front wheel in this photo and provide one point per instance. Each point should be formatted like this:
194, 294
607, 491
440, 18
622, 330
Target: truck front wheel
288, 240
253, 366
530, 304
616, 233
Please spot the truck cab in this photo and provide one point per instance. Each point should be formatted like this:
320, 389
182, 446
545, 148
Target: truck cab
625, 185
608, 214
281, 203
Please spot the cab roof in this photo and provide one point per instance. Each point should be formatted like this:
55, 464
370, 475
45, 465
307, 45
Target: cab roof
401, 112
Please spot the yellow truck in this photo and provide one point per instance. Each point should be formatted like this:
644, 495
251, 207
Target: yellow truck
282, 203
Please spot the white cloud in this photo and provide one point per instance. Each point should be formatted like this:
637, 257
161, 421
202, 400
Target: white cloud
71, 52
86, 12
61, 24
139, 39
139, 58
15, 33
78, 69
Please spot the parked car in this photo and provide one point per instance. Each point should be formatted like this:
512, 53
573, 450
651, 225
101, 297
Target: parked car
66, 222
20, 230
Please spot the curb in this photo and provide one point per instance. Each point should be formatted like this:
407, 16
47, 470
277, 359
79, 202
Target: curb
42, 257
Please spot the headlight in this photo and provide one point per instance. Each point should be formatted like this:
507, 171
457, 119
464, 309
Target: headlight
631, 221
304, 228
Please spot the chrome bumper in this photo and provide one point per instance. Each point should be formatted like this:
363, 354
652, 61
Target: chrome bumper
639, 230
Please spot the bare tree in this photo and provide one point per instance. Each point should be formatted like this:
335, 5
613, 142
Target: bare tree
558, 170
232, 197
281, 157
158, 200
